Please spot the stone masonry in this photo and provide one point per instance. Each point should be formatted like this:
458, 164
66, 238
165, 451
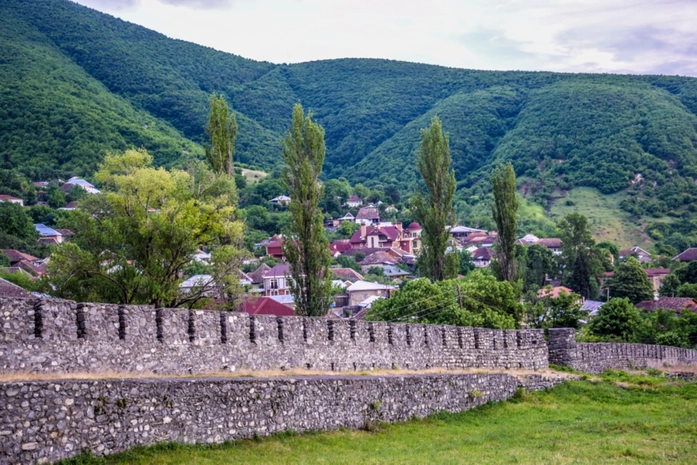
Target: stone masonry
598, 357
63, 336
44, 421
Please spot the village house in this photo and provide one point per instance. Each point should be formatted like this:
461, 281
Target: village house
462, 232
354, 201
368, 215
264, 306
276, 281
554, 292
274, 248
48, 235
379, 259
283, 200
387, 236
257, 275
347, 217
346, 274
552, 243
689, 255
362, 290
86, 186
675, 304
482, 257
11, 199
642, 255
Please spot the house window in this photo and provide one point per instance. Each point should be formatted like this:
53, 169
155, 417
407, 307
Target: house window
273, 284
274, 292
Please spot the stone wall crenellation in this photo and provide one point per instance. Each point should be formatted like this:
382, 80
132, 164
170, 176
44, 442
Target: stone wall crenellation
52, 335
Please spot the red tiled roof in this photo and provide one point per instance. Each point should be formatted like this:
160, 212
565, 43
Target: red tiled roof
340, 246
688, 255
651, 272
414, 227
482, 253
265, 306
8, 289
17, 256
368, 213
550, 242
554, 292
348, 274
278, 271
8, 197
677, 304
32, 267
379, 258
391, 232
258, 274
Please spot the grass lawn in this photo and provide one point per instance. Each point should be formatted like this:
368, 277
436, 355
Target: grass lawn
617, 418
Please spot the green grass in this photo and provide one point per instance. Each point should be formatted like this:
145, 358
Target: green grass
607, 221
617, 418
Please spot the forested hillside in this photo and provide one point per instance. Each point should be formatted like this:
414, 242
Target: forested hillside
75, 83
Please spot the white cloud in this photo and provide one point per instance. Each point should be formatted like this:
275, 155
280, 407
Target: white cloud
643, 36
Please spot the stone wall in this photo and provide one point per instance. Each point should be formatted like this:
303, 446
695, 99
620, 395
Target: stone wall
598, 357
45, 421
63, 336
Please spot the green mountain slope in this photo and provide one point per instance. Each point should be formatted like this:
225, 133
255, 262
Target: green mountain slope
54, 115
75, 83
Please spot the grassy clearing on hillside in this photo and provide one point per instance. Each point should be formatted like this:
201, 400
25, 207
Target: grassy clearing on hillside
253, 176
608, 222
616, 418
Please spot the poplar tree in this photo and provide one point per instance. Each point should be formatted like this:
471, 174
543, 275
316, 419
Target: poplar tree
434, 210
504, 210
221, 130
306, 248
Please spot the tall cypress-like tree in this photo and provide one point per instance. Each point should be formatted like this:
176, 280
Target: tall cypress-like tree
306, 248
221, 130
504, 210
434, 210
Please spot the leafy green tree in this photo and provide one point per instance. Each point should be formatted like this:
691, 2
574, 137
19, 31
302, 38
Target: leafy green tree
563, 311
26, 282
376, 271
221, 131
346, 261
581, 263
476, 300
4, 260
671, 283
434, 211
56, 198
306, 248
43, 214
540, 264
133, 243
347, 228
504, 210
687, 273
688, 290
336, 192
466, 263
612, 248
617, 320
631, 281
15, 221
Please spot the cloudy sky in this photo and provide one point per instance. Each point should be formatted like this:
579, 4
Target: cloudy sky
616, 36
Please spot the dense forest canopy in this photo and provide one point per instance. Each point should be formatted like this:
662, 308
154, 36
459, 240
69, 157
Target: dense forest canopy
76, 84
